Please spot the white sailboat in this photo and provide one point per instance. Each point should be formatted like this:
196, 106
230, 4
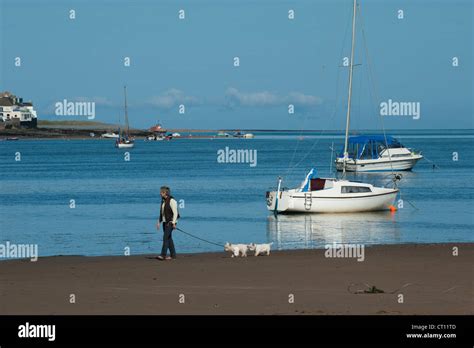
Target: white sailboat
330, 195
124, 141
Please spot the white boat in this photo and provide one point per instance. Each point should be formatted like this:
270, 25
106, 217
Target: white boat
124, 141
159, 137
238, 134
154, 138
248, 136
110, 135
377, 153
175, 135
125, 144
331, 195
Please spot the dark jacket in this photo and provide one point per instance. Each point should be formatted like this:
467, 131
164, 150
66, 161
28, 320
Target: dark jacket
168, 212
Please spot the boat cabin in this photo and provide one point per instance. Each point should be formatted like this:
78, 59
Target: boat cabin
369, 146
321, 184
318, 184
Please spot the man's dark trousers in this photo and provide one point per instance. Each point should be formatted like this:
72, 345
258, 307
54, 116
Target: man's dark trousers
168, 240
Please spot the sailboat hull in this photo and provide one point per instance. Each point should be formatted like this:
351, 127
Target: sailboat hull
124, 146
331, 200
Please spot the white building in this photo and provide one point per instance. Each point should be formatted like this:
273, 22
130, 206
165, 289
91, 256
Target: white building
14, 111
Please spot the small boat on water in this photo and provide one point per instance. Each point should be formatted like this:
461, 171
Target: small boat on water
111, 135
222, 134
239, 134
159, 137
124, 140
12, 139
125, 143
377, 153
159, 133
158, 129
333, 195
154, 138
330, 195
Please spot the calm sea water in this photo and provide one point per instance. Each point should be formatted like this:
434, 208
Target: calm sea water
117, 201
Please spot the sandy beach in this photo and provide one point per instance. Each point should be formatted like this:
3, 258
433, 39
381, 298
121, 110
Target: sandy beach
430, 278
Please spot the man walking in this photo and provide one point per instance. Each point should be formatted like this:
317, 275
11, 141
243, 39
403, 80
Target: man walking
168, 216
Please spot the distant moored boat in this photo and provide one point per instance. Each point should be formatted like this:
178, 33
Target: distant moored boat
110, 135
377, 153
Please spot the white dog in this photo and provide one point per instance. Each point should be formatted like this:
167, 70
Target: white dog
236, 249
260, 248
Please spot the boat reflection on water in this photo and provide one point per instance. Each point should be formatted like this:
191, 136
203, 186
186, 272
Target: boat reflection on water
383, 178
306, 231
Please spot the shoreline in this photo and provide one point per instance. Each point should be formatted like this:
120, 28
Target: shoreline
220, 253
430, 278
69, 132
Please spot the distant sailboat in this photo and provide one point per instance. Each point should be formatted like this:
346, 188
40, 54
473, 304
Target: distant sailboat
331, 195
125, 141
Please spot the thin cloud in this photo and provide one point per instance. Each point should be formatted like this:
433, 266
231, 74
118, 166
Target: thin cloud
172, 98
235, 98
301, 99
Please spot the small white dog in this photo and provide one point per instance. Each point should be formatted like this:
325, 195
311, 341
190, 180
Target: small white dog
237, 249
260, 248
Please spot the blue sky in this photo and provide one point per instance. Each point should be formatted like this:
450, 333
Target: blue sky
282, 61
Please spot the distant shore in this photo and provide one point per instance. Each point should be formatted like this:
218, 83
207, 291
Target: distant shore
84, 133
85, 130
93, 130
430, 279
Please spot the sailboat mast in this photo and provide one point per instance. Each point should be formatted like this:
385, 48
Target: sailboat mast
351, 66
126, 111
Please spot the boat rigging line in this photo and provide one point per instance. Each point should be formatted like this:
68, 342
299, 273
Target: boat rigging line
331, 117
434, 165
374, 87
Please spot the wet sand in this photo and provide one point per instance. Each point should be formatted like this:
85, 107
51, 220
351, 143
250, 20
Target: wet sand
430, 278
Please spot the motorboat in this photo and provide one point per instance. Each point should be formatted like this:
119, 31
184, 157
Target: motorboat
377, 153
110, 135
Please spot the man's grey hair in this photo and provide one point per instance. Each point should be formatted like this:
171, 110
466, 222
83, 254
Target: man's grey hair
165, 189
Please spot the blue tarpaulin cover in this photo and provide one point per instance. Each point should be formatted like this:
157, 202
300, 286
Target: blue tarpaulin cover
368, 145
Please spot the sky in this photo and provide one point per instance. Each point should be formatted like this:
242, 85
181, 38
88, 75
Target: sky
283, 61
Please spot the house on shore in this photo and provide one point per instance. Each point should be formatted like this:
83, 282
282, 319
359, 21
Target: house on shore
14, 112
